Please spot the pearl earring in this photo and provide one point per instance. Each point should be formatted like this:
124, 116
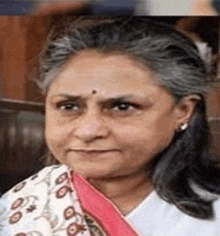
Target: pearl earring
183, 126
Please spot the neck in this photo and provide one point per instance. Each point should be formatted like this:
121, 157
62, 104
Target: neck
125, 192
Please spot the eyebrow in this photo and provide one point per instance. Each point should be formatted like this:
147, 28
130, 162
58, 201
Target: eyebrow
109, 100
70, 97
117, 99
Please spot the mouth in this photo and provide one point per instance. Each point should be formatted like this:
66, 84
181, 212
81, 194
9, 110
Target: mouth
95, 153
94, 150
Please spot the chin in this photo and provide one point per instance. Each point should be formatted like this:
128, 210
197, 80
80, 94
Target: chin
97, 173
94, 169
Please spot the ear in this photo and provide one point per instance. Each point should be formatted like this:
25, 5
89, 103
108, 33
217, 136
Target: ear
185, 109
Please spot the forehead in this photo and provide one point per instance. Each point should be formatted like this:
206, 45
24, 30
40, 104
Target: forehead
92, 59
90, 70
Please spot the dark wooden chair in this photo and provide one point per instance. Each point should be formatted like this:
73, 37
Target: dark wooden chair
22, 144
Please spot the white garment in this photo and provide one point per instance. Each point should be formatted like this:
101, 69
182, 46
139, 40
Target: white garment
47, 204
155, 217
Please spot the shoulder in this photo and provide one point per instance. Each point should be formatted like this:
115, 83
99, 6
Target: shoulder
153, 209
33, 189
44, 175
39, 204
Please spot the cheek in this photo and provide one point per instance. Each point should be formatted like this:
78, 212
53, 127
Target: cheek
55, 136
147, 139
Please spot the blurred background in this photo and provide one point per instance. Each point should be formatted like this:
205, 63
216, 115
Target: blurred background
138, 7
24, 26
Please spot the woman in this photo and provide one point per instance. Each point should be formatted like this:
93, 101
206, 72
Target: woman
125, 115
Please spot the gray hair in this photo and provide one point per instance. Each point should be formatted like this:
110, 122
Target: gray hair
176, 65
172, 57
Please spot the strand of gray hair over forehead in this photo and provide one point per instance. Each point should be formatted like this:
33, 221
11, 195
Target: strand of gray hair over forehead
146, 44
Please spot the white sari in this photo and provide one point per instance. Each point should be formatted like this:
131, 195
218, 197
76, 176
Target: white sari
56, 202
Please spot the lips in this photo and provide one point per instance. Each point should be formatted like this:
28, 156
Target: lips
94, 150
94, 153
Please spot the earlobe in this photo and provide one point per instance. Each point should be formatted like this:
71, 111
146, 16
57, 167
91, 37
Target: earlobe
185, 111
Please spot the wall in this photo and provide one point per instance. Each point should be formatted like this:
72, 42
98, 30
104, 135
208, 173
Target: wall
21, 38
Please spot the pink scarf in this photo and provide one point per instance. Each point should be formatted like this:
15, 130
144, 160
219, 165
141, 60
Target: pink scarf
101, 209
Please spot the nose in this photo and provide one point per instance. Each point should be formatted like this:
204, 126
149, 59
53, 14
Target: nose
90, 127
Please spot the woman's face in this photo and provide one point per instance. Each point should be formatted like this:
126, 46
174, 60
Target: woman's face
107, 117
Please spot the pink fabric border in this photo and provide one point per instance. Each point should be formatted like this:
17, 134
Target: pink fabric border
102, 209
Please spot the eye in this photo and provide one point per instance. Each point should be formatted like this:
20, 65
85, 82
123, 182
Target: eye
68, 106
124, 107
